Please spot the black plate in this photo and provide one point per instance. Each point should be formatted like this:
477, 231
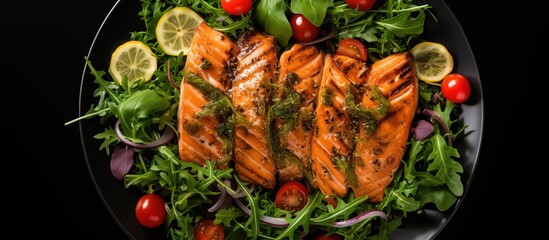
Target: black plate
121, 201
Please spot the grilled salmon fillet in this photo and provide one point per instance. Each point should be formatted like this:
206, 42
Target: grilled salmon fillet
333, 138
300, 72
256, 67
210, 55
378, 154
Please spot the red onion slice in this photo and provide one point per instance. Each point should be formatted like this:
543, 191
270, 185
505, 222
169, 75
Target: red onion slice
360, 218
239, 193
170, 78
273, 221
422, 130
221, 199
166, 137
121, 161
434, 116
282, 222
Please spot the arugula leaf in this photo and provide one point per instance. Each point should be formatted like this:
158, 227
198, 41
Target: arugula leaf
403, 24
342, 210
447, 167
271, 16
227, 215
109, 138
254, 215
417, 151
440, 196
302, 217
401, 197
313, 10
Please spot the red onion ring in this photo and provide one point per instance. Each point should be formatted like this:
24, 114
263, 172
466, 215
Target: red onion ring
166, 137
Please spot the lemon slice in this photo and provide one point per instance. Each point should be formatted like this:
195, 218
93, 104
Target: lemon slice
175, 30
433, 61
133, 60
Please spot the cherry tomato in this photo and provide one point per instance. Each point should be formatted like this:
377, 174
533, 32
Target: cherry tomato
207, 230
361, 4
302, 29
456, 88
236, 7
326, 236
291, 196
150, 210
353, 48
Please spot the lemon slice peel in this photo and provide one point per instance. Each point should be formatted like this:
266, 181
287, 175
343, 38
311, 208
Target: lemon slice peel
175, 30
132, 61
433, 61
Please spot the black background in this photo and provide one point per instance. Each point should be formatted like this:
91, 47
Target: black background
50, 188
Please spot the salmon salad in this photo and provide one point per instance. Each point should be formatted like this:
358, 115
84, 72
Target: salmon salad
281, 120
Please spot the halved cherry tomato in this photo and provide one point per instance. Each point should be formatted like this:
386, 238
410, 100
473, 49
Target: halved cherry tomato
456, 88
207, 230
353, 48
150, 210
326, 236
361, 4
302, 29
236, 7
292, 196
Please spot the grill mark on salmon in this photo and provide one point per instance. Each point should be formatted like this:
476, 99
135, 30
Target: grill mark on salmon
333, 138
300, 72
354, 69
209, 58
378, 155
256, 67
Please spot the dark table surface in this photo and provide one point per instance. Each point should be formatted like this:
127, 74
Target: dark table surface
54, 188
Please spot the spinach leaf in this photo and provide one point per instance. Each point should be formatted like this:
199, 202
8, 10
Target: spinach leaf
271, 16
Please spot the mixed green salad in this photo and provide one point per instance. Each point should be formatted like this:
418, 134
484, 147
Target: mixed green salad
140, 130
